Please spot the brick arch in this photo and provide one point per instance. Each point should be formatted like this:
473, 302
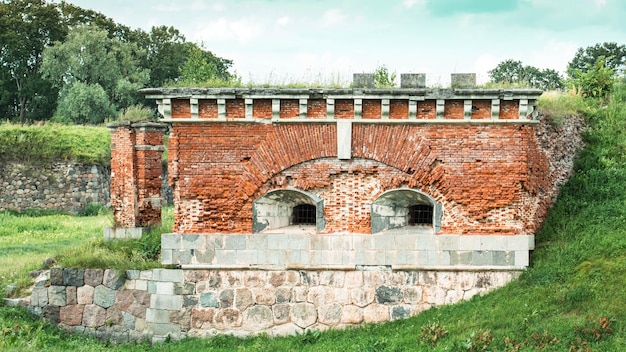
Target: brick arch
402, 147
285, 146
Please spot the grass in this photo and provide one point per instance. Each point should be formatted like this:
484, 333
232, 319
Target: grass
43, 145
571, 299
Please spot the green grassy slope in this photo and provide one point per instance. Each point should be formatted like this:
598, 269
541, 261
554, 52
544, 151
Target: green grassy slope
41, 145
573, 298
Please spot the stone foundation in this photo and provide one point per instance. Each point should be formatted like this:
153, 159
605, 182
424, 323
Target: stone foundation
156, 304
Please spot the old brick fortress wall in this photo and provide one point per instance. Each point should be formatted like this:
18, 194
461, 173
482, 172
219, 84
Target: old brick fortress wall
484, 175
473, 152
438, 177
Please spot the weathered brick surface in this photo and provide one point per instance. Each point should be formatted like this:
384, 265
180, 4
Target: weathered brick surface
344, 108
136, 174
481, 109
289, 108
371, 109
207, 108
398, 109
427, 109
316, 108
235, 109
509, 109
453, 109
481, 173
262, 108
181, 108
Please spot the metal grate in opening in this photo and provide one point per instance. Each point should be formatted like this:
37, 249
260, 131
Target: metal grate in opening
420, 214
304, 214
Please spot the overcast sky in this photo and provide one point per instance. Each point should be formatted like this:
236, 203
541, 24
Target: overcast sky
296, 40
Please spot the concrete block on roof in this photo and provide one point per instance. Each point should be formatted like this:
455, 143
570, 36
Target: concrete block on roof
363, 80
463, 80
412, 80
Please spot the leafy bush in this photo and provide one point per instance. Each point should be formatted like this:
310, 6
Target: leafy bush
596, 82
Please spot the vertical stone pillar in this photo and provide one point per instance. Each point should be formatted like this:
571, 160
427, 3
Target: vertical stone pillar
136, 170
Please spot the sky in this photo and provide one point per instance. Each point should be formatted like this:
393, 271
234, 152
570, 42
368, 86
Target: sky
283, 41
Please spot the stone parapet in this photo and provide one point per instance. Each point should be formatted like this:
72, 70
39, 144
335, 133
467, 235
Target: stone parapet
160, 304
406, 251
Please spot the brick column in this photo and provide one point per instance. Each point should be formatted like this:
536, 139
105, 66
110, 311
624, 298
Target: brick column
136, 150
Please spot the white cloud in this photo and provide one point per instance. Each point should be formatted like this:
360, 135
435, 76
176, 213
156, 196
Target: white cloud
242, 30
410, 3
198, 5
483, 64
167, 8
283, 21
333, 17
219, 7
554, 54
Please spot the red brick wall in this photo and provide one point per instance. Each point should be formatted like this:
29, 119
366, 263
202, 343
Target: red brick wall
136, 174
262, 108
289, 108
398, 109
207, 108
371, 109
181, 108
509, 109
427, 109
316, 108
344, 108
454, 109
235, 109
481, 109
481, 174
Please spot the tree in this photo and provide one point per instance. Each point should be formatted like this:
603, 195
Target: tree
383, 78
91, 57
203, 66
166, 55
83, 103
26, 28
612, 55
514, 72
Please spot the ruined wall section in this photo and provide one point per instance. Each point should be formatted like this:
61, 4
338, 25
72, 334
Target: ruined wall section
136, 173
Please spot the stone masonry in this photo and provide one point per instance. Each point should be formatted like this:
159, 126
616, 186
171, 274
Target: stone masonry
64, 186
157, 304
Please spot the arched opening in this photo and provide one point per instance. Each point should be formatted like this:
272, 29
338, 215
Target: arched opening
289, 210
405, 208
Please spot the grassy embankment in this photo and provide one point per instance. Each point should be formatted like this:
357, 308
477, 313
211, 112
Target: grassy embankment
571, 299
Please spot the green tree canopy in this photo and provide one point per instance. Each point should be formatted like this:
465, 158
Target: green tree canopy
514, 72
203, 66
612, 55
90, 56
26, 28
